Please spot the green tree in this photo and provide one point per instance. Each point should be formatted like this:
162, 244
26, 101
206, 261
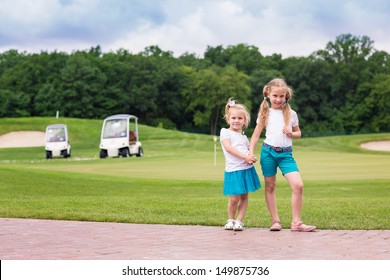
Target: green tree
193, 61
373, 111
112, 97
311, 80
4, 102
348, 57
245, 58
212, 88
17, 82
47, 101
82, 81
47, 95
139, 83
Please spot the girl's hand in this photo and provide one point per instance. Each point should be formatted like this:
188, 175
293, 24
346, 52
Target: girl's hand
287, 131
250, 159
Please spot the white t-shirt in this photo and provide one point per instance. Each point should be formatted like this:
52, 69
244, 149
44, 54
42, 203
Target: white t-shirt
241, 143
274, 135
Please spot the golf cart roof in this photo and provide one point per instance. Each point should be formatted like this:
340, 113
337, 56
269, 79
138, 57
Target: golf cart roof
56, 126
121, 116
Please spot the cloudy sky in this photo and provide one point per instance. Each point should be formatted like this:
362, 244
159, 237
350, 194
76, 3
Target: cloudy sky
287, 27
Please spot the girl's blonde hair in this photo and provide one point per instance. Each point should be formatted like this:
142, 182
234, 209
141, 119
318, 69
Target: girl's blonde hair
240, 107
264, 107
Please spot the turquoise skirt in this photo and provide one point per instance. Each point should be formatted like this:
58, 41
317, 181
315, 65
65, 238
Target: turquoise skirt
241, 182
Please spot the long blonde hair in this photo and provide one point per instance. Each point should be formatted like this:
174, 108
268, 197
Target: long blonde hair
241, 107
264, 107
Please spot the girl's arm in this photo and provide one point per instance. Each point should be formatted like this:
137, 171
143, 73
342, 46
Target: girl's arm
295, 132
231, 150
255, 138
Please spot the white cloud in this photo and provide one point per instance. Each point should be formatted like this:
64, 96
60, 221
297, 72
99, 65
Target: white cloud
228, 23
25, 18
288, 27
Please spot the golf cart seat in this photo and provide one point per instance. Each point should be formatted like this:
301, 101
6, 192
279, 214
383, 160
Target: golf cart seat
132, 137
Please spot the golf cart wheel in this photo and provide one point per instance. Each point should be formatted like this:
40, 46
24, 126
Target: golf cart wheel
103, 153
65, 154
140, 152
124, 152
48, 154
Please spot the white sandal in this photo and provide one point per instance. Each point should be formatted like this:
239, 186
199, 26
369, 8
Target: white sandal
238, 226
230, 224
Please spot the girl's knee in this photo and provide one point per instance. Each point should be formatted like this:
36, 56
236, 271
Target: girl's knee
298, 187
234, 199
270, 183
270, 187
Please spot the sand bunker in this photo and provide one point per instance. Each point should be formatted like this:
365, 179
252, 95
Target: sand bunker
377, 146
17, 139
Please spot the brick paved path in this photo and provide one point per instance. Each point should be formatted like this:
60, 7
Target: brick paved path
27, 239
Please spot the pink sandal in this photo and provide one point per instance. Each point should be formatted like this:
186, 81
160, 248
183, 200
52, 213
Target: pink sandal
301, 227
276, 226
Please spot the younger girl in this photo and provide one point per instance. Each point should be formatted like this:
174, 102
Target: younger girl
281, 125
240, 176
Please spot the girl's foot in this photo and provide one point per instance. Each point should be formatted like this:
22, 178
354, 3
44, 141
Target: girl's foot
302, 227
276, 226
230, 224
238, 226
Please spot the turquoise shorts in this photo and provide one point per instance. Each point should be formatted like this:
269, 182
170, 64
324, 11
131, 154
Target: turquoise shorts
271, 158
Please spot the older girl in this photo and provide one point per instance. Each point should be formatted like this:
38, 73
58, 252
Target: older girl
281, 125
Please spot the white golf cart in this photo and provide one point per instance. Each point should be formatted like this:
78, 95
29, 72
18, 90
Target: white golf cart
120, 137
57, 141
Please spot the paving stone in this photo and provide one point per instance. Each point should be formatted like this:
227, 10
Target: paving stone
30, 239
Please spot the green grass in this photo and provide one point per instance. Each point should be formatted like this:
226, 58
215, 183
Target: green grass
176, 181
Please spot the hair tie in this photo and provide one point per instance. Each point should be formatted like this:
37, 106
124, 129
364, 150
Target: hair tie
231, 103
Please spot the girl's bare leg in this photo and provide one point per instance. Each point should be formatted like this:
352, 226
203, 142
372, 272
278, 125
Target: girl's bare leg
233, 205
295, 181
242, 206
270, 197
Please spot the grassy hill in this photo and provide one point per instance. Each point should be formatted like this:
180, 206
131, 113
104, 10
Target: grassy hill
176, 181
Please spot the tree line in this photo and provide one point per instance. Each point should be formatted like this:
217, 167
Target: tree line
341, 89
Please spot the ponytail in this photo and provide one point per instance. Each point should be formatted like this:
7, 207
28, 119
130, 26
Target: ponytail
286, 113
263, 112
